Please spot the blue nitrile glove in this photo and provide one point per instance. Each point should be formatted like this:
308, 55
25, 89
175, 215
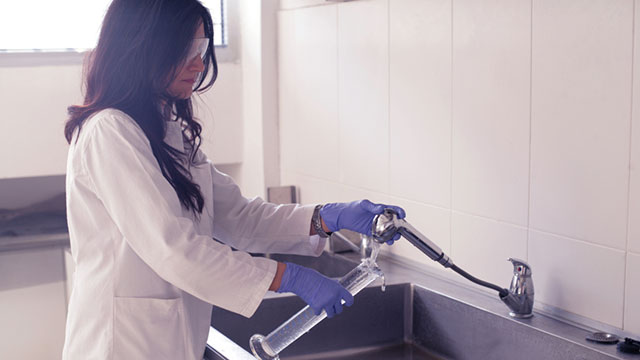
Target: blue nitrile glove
356, 216
317, 290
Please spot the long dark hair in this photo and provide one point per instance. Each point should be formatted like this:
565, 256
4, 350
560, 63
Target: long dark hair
141, 46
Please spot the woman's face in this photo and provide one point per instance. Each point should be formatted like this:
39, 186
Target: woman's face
182, 85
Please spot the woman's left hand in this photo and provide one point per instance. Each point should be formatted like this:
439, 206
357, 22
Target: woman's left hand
356, 216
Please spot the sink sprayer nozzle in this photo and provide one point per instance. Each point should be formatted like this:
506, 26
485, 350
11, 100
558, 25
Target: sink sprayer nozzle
519, 298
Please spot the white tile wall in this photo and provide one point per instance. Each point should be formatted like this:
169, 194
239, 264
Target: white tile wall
363, 93
632, 294
581, 118
491, 57
579, 277
287, 104
482, 246
634, 196
503, 129
314, 190
420, 100
308, 97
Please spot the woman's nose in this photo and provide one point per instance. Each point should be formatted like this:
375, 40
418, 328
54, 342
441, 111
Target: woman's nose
197, 64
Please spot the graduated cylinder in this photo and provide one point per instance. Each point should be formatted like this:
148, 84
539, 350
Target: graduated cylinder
268, 347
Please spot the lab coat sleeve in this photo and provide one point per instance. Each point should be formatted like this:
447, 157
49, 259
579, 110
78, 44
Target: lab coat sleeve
127, 179
257, 226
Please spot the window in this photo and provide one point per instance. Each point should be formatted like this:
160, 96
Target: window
218, 8
55, 26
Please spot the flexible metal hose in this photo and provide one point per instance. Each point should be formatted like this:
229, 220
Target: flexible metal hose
503, 292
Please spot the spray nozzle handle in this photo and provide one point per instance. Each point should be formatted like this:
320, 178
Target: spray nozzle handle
385, 225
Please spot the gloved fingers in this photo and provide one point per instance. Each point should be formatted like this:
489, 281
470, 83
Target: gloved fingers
394, 239
400, 211
337, 307
330, 310
347, 297
371, 207
316, 310
379, 208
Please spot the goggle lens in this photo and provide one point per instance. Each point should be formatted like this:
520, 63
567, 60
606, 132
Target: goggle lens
198, 47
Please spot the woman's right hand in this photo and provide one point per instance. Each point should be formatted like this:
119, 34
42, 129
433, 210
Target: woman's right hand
317, 290
356, 216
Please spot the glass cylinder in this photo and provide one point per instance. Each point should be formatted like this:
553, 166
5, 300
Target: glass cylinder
268, 347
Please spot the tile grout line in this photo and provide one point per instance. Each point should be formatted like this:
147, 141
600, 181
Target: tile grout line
530, 125
340, 161
451, 134
481, 217
628, 232
388, 187
569, 238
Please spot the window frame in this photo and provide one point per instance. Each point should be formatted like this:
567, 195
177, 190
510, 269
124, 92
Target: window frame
224, 53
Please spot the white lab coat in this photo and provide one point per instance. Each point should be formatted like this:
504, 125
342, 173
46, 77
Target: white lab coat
146, 269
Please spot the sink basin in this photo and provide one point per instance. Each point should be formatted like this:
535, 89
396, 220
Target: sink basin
373, 328
334, 266
415, 318
346, 336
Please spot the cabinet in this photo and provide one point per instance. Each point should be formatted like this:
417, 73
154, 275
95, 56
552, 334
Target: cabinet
32, 303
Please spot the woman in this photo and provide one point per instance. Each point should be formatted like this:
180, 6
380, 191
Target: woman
144, 202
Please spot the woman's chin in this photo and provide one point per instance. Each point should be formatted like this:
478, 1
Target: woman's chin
181, 89
182, 95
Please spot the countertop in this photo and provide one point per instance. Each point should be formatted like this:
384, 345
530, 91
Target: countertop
451, 285
450, 310
27, 242
43, 224
33, 230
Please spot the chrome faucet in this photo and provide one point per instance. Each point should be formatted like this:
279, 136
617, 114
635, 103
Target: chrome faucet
519, 297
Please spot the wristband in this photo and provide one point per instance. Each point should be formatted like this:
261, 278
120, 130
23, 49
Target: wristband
316, 221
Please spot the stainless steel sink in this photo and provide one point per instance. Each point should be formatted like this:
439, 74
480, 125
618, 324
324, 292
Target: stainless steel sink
334, 266
417, 317
374, 327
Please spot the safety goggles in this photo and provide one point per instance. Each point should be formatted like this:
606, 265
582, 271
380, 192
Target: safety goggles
199, 46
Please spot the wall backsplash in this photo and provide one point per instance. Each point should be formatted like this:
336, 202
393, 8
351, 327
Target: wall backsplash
505, 128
